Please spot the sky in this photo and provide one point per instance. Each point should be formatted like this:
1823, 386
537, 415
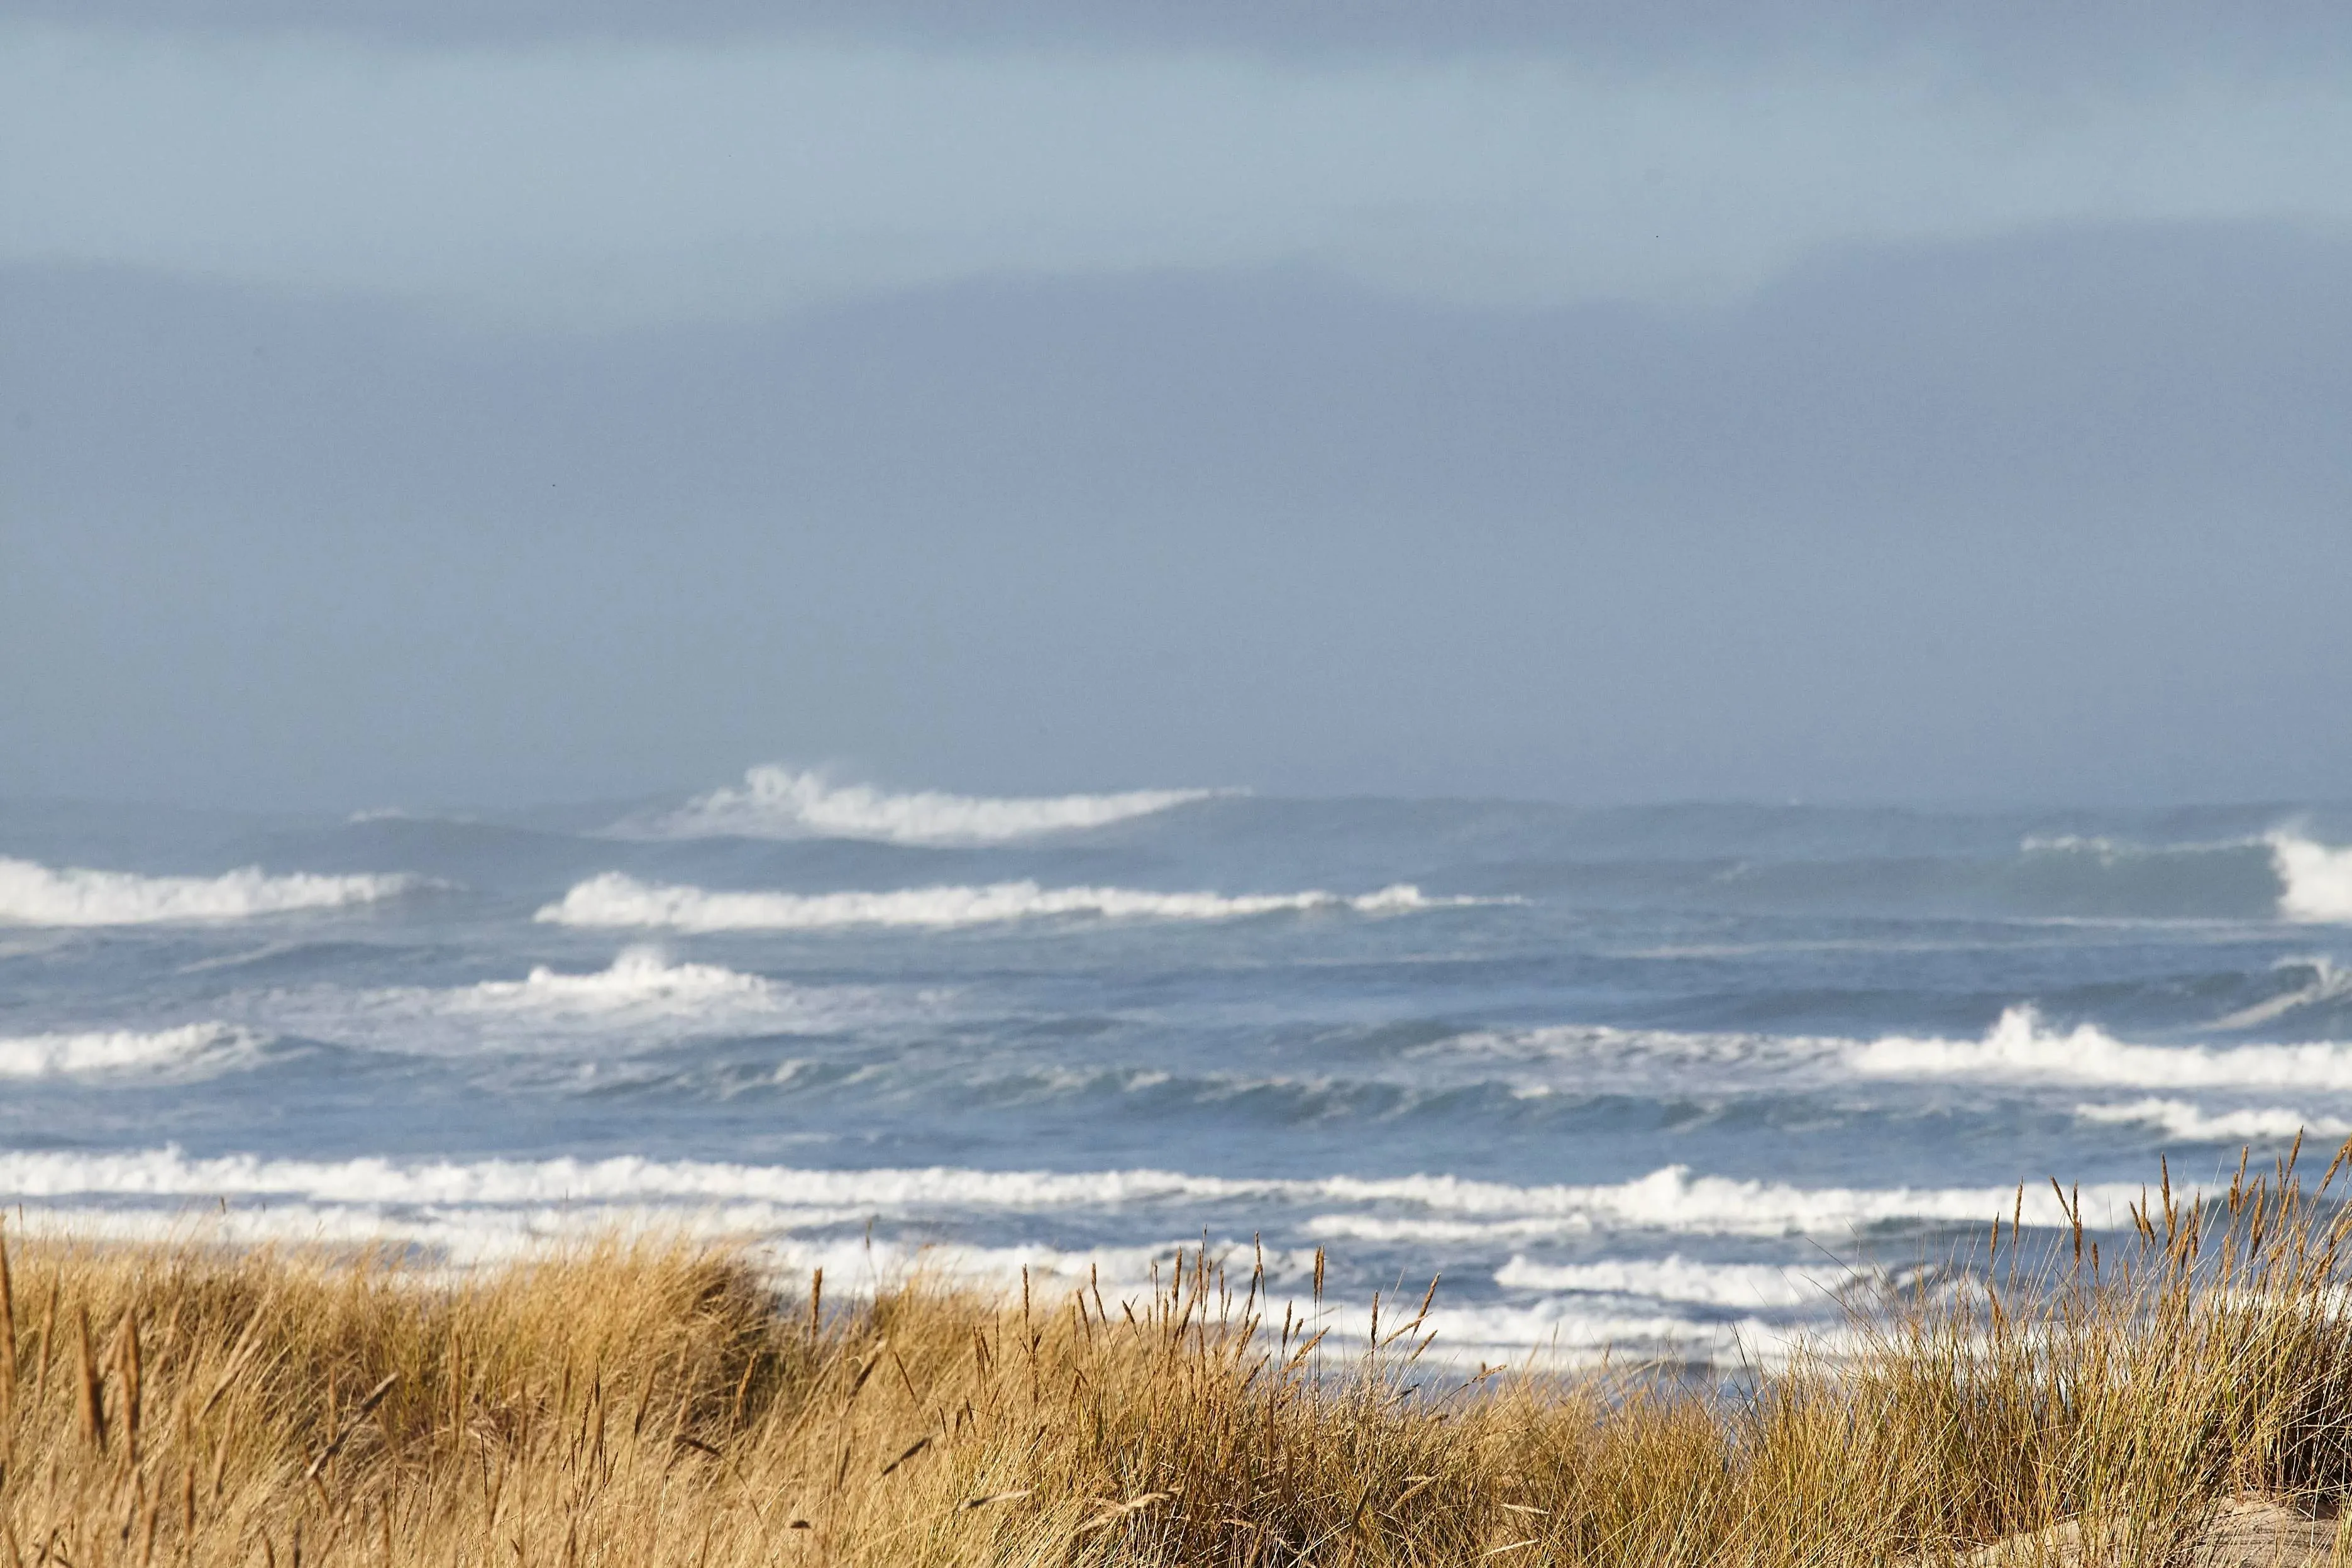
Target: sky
505, 402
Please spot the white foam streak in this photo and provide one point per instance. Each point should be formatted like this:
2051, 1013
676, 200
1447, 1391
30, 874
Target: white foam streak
2314, 881
2020, 1048
74, 896
2183, 1122
125, 1053
775, 802
615, 899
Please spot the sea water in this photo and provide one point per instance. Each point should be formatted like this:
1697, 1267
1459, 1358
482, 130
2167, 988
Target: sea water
1681, 1081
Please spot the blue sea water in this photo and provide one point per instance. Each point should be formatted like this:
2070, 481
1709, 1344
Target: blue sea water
1667, 1079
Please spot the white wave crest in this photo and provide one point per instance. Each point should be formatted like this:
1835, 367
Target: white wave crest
2314, 881
1675, 1278
2020, 1047
74, 896
775, 802
615, 899
2184, 1123
124, 1053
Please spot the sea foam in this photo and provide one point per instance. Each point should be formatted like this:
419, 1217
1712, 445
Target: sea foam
615, 899
2314, 881
74, 896
775, 802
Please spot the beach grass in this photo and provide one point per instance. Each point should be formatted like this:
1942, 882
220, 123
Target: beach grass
639, 1402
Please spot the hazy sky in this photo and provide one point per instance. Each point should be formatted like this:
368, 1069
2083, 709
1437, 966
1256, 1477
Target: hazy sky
514, 401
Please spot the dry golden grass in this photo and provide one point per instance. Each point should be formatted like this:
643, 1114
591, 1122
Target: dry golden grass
643, 1404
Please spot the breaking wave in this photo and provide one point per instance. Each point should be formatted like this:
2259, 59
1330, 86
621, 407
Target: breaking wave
777, 1198
638, 979
642, 999
2328, 985
2021, 1047
1674, 1278
2314, 881
124, 1053
2183, 1122
615, 899
74, 896
776, 801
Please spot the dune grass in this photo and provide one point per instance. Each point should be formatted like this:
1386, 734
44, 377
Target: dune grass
641, 1404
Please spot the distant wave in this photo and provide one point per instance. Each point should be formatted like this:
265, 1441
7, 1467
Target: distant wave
2182, 1122
776, 801
2021, 1047
74, 896
2315, 881
615, 899
124, 1053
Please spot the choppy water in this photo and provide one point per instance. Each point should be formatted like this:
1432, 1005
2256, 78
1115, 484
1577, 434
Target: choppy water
1658, 1077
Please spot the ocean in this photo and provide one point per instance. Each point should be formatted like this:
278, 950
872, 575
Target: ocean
1678, 1081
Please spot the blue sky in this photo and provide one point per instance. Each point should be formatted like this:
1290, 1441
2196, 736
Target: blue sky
507, 403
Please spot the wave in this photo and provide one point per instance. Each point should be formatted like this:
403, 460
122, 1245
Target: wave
2183, 1122
1671, 1199
2328, 986
2020, 1047
615, 900
642, 998
638, 979
2314, 881
1560, 1331
126, 1053
74, 896
1675, 1278
775, 802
